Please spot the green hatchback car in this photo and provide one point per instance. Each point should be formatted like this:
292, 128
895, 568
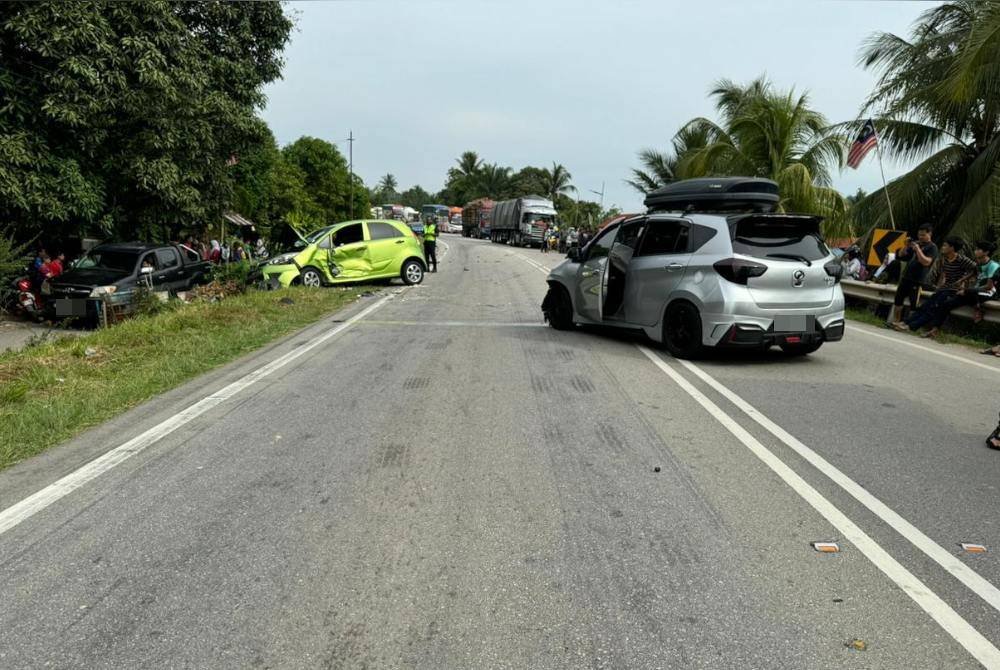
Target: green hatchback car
348, 252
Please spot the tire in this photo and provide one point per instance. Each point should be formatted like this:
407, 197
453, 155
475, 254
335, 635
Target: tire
682, 330
311, 277
412, 272
558, 308
800, 349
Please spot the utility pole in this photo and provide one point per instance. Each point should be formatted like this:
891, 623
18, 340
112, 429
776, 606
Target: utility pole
350, 154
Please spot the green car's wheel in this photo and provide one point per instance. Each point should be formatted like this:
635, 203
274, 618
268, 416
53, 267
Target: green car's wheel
412, 272
311, 277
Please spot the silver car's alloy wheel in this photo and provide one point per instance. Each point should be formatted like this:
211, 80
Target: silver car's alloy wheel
311, 279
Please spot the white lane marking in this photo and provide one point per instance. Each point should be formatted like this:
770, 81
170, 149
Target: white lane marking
960, 629
458, 324
930, 350
962, 572
537, 266
38, 501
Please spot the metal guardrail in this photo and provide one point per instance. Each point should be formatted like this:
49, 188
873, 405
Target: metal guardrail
885, 293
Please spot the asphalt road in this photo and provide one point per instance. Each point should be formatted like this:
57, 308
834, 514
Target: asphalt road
447, 483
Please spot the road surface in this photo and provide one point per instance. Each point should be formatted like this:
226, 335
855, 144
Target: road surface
445, 482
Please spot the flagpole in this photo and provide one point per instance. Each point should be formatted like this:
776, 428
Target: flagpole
885, 186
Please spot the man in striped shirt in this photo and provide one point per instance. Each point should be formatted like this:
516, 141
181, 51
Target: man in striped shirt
956, 271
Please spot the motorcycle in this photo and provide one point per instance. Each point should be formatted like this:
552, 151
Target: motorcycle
28, 302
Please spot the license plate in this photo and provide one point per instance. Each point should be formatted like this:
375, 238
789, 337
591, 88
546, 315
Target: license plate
71, 307
794, 323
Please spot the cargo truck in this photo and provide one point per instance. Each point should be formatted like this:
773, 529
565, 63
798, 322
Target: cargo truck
522, 221
476, 218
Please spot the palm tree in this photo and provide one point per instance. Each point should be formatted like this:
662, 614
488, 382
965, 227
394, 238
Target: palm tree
387, 185
494, 181
469, 164
660, 168
937, 101
772, 134
557, 181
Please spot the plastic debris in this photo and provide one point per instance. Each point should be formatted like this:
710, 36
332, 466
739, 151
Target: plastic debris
972, 548
856, 645
90, 352
826, 547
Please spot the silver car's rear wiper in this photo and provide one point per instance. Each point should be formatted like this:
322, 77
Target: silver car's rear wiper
792, 257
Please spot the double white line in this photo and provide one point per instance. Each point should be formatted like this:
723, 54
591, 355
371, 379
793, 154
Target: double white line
960, 629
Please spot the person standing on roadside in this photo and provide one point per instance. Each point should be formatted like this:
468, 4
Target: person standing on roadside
919, 255
430, 244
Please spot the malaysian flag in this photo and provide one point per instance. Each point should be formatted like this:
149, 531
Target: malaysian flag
867, 139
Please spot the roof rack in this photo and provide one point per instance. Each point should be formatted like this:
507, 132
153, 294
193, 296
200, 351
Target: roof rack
715, 194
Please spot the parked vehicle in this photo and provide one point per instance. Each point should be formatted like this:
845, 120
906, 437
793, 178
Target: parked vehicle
711, 264
348, 252
477, 219
28, 303
112, 272
523, 221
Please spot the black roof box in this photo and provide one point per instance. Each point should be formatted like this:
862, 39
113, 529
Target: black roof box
715, 194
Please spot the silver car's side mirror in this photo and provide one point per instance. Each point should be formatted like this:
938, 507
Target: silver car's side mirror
573, 254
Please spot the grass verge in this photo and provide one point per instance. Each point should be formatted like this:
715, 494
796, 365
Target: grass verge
956, 330
55, 390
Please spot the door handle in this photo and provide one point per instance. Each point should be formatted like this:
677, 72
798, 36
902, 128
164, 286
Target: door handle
400, 241
673, 266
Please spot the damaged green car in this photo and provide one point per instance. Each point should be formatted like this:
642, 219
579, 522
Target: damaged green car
348, 252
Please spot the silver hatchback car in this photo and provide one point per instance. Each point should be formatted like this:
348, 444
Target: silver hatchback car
736, 276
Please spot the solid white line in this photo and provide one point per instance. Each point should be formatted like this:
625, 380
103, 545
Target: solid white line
930, 350
36, 502
962, 572
458, 324
960, 629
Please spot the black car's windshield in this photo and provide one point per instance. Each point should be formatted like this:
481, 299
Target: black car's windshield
104, 259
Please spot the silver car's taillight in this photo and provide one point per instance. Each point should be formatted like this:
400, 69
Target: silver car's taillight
738, 270
835, 270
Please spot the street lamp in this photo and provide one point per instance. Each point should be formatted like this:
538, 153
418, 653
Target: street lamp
350, 167
600, 193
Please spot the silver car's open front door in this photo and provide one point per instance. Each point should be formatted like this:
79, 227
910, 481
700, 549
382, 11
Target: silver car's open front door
592, 277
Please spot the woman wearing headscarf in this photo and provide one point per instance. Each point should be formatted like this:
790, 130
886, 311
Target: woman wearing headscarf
215, 255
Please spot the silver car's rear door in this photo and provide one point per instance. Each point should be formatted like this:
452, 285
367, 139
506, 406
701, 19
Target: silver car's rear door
592, 277
656, 270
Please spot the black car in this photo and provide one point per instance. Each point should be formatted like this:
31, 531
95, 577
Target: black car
110, 273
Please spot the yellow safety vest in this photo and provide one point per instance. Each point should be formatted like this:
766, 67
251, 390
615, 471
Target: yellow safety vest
430, 232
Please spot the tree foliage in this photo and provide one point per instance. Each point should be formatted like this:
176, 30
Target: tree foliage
121, 117
937, 101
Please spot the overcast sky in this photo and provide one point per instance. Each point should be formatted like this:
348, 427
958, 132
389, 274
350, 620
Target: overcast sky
585, 84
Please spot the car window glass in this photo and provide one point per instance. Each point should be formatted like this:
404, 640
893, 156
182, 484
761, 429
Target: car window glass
190, 254
167, 258
764, 238
665, 237
348, 235
382, 231
150, 260
628, 234
601, 246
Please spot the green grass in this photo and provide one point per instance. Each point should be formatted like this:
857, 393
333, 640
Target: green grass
53, 391
956, 331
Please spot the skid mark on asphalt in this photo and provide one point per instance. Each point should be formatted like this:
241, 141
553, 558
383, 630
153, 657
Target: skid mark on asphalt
414, 383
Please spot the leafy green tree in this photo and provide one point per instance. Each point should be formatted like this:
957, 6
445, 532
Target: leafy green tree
415, 197
660, 168
494, 181
557, 181
937, 101
772, 134
387, 185
530, 180
327, 180
123, 117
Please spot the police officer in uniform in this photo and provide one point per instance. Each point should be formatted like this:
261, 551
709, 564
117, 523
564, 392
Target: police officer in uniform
430, 243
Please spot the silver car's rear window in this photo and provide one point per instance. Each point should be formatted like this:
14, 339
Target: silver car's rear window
763, 238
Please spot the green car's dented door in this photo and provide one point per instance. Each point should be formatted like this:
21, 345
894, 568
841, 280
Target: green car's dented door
350, 252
